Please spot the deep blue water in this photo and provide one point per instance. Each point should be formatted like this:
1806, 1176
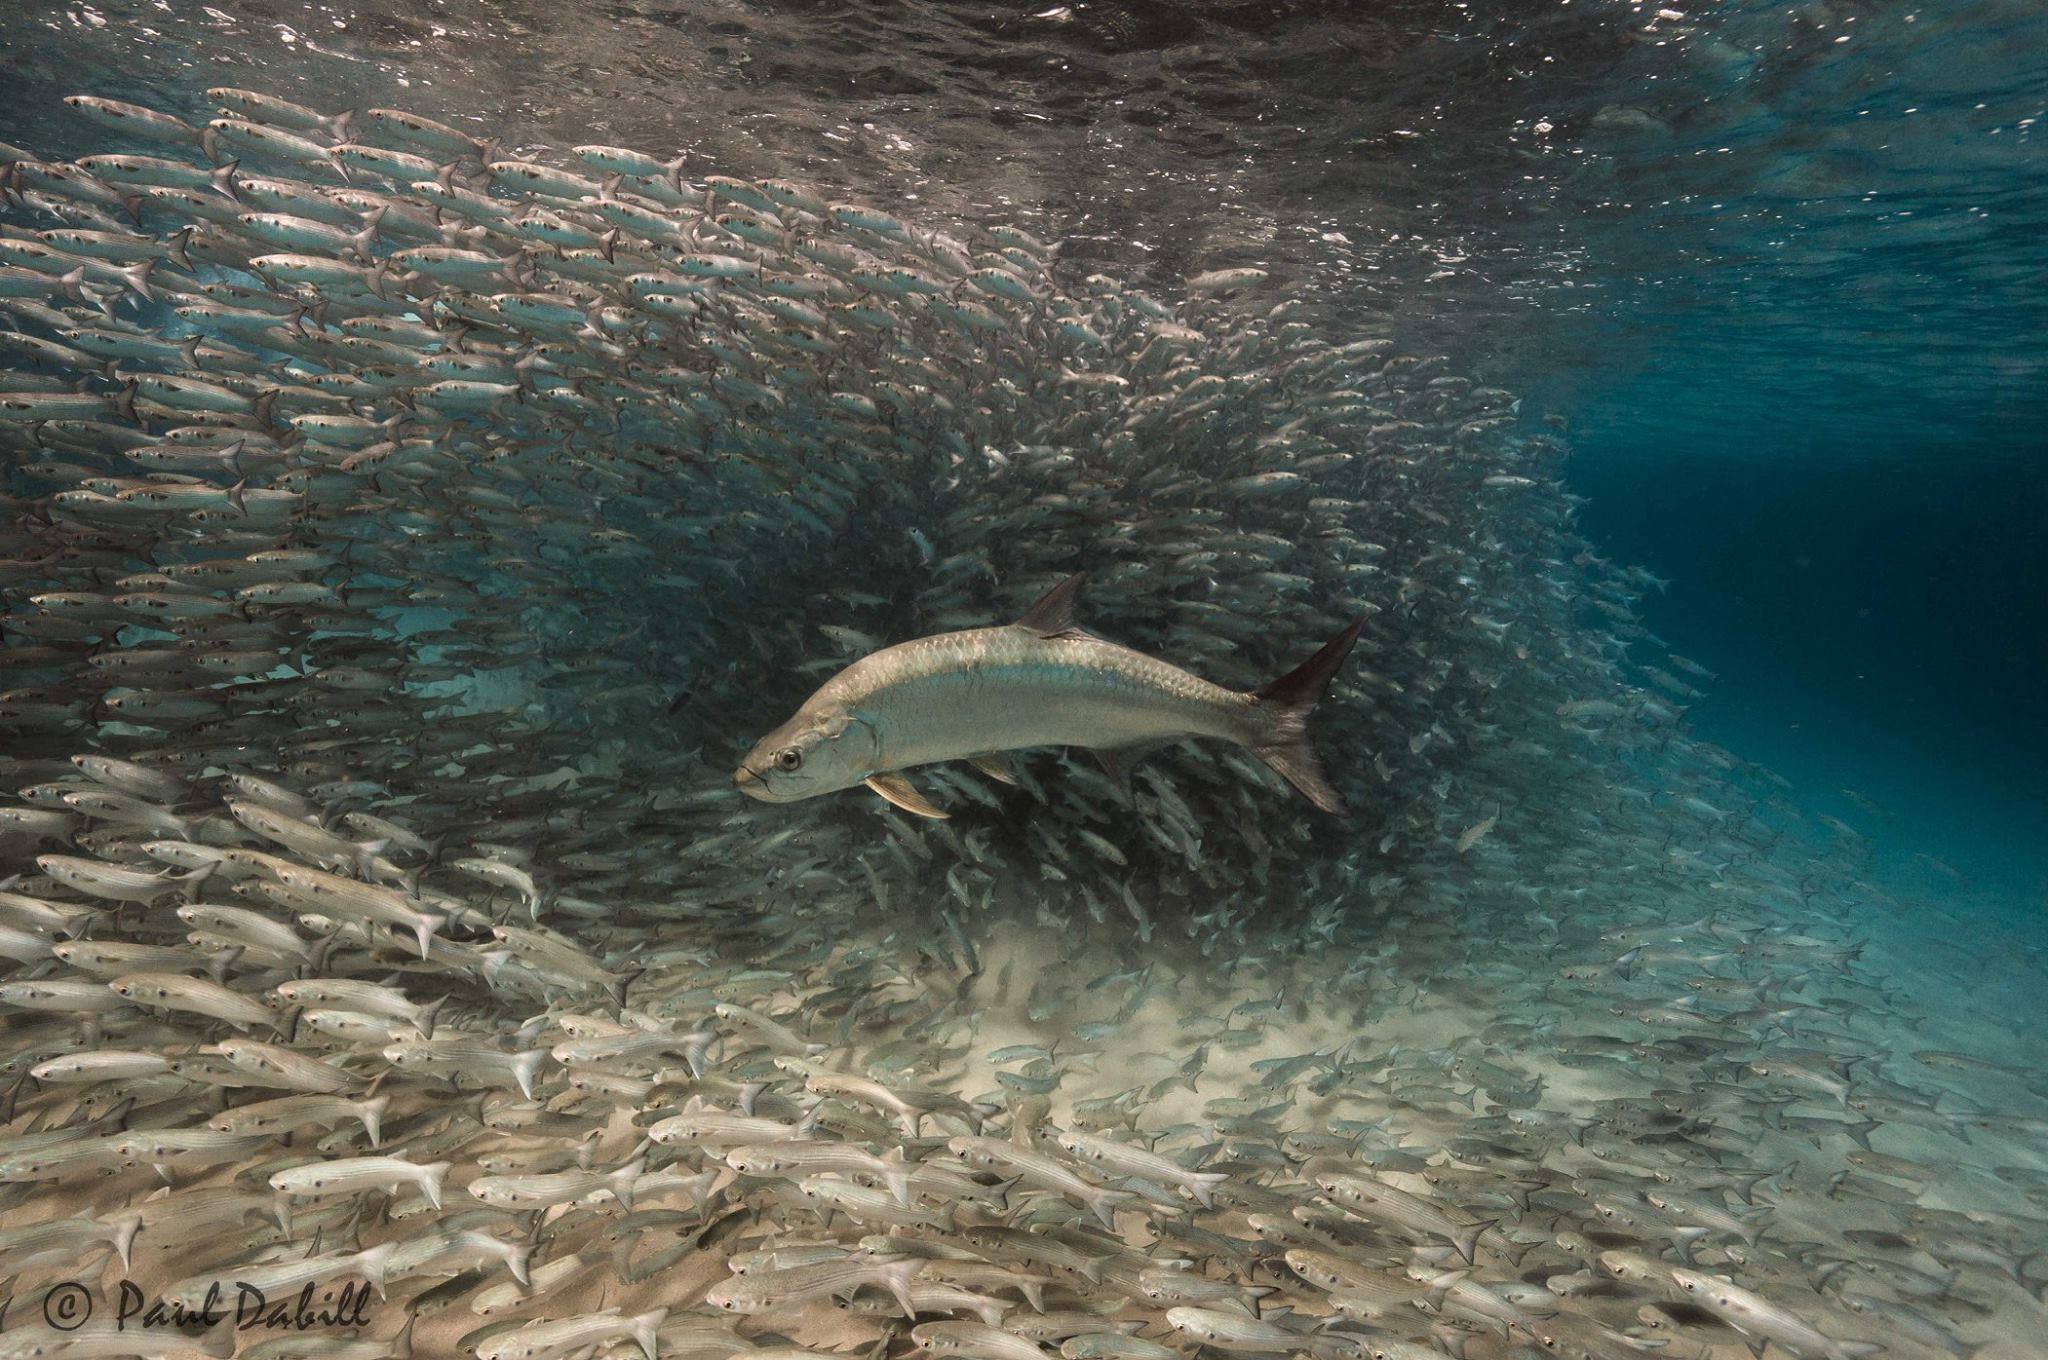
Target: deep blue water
1878, 624
1803, 382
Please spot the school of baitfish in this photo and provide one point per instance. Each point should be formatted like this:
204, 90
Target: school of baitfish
403, 539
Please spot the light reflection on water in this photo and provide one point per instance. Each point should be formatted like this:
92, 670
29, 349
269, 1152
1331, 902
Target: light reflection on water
1743, 212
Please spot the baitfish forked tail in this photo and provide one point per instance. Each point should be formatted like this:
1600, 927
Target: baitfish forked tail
1289, 700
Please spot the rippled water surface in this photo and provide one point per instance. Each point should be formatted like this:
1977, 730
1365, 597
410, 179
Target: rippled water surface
1808, 221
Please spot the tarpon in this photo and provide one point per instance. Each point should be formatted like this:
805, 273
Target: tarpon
1042, 681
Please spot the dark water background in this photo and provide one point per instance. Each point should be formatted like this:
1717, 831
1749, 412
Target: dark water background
1777, 268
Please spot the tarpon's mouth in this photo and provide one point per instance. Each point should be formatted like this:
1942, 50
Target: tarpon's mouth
751, 783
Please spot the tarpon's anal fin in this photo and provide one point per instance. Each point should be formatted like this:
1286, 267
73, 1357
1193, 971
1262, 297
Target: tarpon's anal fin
899, 791
1054, 612
1119, 761
995, 767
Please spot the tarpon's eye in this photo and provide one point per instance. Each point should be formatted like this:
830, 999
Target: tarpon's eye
788, 758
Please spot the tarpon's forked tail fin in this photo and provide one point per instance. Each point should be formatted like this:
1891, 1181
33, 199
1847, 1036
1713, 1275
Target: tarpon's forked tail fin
1289, 701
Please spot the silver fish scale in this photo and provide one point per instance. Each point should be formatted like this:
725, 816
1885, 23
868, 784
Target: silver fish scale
996, 689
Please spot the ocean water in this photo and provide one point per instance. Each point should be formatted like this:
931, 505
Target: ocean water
387, 602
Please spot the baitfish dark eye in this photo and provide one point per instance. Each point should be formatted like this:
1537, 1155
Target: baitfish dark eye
788, 758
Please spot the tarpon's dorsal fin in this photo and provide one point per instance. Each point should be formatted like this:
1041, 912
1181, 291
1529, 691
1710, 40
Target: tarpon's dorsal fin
1119, 761
1054, 612
903, 794
995, 767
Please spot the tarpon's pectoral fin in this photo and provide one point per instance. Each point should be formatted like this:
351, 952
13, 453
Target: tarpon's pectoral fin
995, 767
1119, 761
899, 791
1054, 612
